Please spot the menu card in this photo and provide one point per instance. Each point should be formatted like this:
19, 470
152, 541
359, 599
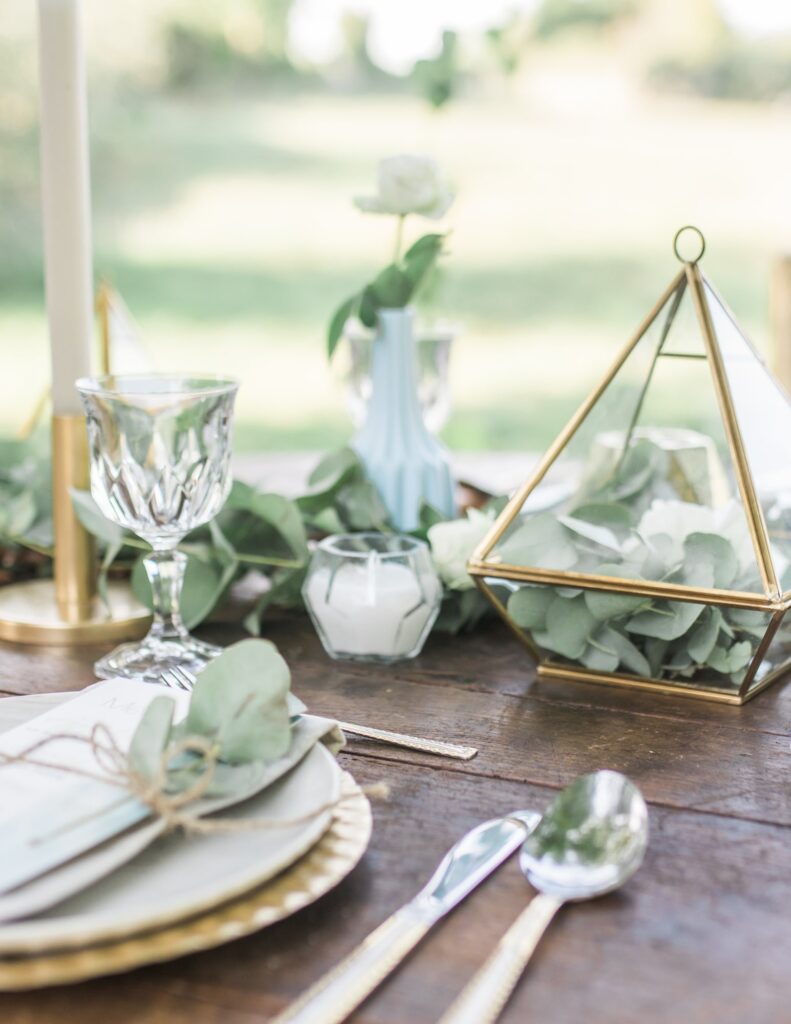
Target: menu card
49, 815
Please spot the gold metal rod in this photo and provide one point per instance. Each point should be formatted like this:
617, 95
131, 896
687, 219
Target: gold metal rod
772, 677
645, 588
511, 510
75, 554
103, 299
502, 611
760, 651
547, 670
755, 519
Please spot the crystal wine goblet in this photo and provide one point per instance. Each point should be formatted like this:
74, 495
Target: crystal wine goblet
160, 452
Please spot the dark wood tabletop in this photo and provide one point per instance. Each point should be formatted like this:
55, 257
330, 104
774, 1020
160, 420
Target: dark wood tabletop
701, 934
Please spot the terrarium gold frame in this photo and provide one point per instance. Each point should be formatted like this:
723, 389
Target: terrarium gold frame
772, 601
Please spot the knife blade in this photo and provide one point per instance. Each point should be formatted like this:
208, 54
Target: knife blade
465, 866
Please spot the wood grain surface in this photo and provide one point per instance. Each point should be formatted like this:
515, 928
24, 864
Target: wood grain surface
701, 935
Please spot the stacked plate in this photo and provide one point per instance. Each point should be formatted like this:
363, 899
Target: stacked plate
184, 894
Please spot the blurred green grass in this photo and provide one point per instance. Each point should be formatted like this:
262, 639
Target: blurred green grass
226, 224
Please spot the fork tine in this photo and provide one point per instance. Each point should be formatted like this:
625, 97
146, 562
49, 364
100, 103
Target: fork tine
187, 678
171, 679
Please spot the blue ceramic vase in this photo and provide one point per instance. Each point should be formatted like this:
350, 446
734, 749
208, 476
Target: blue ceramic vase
406, 463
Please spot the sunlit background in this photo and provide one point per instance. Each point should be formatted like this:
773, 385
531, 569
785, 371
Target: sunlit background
228, 138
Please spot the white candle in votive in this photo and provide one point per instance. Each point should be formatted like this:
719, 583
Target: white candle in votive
371, 607
65, 193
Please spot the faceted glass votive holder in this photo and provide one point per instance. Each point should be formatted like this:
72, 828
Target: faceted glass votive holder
372, 596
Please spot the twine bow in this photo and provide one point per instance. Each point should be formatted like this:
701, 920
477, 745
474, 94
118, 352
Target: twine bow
154, 792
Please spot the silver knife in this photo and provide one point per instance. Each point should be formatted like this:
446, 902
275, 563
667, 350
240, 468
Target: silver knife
466, 864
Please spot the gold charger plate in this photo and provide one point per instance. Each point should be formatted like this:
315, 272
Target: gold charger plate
321, 869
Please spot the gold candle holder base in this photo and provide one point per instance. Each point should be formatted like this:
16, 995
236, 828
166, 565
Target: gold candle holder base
65, 610
29, 615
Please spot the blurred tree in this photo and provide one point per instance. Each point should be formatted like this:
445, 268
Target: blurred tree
508, 42
556, 16
437, 79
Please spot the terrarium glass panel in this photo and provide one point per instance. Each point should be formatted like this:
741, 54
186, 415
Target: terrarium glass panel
764, 416
778, 653
646, 488
639, 637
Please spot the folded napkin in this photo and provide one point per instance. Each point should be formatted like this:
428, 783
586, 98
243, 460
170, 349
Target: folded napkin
96, 862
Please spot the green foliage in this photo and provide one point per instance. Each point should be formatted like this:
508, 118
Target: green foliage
558, 16
240, 703
607, 631
735, 70
393, 288
437, 78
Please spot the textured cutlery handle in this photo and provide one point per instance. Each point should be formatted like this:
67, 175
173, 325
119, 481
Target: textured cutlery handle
400, 739
483, 999
343, 988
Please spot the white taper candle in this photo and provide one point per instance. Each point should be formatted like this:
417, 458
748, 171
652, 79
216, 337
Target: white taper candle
66, 205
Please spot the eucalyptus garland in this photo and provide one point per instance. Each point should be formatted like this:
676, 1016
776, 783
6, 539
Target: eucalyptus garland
256, 532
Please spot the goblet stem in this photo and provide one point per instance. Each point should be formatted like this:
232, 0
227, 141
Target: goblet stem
165, 569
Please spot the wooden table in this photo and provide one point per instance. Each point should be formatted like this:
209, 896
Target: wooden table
701, 934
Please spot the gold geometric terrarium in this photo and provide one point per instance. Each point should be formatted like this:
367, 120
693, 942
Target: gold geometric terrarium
651, 547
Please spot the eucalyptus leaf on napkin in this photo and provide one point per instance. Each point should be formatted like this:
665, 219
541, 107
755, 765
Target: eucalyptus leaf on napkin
249, 684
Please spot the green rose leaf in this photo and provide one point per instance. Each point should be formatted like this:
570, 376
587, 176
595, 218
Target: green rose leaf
151, 737
392, 288
421, 257
338, 322
241, 699
528, 606
368, 307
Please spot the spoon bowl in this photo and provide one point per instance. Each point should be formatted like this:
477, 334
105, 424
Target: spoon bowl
590, 840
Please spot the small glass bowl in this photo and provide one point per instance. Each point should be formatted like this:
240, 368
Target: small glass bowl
372, 596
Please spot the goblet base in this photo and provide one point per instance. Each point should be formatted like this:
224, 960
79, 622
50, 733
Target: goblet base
152, 659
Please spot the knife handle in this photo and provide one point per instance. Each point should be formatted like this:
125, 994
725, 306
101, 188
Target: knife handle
343, 988
483, 998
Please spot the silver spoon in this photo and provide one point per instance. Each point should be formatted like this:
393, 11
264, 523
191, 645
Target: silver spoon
590, 841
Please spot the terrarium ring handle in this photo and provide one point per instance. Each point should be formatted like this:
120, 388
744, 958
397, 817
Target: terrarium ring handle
677, 237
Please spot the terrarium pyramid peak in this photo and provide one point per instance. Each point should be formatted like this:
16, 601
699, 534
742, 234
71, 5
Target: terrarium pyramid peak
665, 493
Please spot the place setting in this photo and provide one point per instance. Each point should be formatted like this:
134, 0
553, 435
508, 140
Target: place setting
426, 708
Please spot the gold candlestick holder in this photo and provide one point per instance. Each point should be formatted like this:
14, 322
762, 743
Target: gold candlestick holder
66, 610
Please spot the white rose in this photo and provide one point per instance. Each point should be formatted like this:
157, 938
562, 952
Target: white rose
408, 184
453, 543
